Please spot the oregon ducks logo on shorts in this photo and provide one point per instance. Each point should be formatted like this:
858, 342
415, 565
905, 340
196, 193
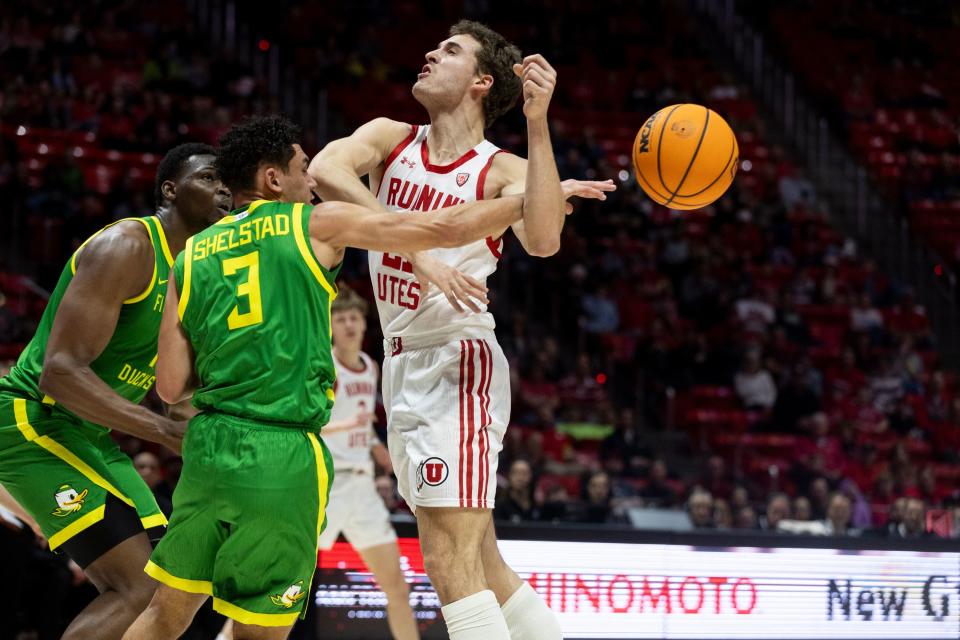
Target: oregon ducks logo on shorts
432, 471
290, 597
68, 500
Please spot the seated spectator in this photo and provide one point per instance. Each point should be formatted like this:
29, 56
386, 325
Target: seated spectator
722, 514
839, 514
700, 509
515, 502
658, 491
844, 380
746, 519
739, 498
623, 445
717, 480
556, 505
600, 313
148, 466
754, 384
837, 522
886, 386
801, 509
866, 318
756, 312
597, 507
914, 521
778, 509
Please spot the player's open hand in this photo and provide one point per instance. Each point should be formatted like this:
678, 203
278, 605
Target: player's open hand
460, 289
539, 80
595, 189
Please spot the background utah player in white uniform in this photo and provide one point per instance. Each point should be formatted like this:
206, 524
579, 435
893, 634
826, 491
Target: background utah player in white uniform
446, 381
355, 508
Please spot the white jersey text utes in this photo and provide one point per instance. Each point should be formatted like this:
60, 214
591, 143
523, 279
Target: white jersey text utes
356, 393
409, 184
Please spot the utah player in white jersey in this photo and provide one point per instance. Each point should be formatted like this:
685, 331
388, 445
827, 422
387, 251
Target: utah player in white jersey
355, 508
446, 382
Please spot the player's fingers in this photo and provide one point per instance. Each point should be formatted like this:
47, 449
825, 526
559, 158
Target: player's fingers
547, 73
473, 282
452, 299
594, 194
465, 298
539, 59
473, 288
603, 185
539, 78
518, 70
568, 208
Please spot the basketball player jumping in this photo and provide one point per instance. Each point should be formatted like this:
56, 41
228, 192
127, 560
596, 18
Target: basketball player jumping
355, 508
84, 373
446, 382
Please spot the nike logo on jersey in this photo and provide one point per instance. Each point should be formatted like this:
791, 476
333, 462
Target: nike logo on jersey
162, 282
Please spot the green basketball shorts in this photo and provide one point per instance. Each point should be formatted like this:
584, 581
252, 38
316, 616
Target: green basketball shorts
73, 479
247, 512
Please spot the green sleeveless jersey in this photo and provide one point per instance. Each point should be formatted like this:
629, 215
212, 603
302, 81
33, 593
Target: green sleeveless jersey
127, 363
255, 305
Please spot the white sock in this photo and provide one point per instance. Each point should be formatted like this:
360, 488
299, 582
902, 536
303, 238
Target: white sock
476, 617
528, 616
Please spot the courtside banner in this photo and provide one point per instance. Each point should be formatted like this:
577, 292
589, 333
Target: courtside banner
625, 590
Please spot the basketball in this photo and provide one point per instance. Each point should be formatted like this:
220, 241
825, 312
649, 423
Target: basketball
685, 156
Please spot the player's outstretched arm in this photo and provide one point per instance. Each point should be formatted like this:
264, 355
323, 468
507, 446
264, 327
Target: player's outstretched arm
115, 266
176, 377
337, 169
339, 225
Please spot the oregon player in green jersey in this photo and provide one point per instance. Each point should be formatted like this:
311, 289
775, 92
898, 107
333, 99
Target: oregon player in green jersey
246, 331
84, 372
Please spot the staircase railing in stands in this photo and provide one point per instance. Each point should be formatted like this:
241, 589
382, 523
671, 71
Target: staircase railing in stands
841, 181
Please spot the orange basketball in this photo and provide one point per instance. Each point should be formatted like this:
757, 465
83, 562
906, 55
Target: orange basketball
685, 156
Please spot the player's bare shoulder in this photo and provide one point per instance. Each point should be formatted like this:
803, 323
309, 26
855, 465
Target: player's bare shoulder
121, 255
384, 133
507, 176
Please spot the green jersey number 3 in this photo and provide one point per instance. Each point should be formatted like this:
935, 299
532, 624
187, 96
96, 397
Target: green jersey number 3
249, 289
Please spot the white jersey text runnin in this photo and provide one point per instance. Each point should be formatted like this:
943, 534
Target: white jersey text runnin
410, 184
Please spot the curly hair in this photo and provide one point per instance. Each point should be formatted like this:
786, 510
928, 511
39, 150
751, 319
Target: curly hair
252, 143
172, 165
495, 57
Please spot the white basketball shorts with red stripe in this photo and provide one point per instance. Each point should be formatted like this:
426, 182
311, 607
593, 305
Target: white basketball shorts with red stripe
448, 406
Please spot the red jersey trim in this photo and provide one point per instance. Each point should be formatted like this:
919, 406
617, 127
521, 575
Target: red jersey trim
348, 367
397, 150
495, 246
443, 168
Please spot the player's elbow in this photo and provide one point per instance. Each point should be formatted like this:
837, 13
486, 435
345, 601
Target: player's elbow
323, 169
56, 369
169, 390
543, 247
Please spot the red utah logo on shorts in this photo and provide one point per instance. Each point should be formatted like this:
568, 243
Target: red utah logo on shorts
432, 471
462, 179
